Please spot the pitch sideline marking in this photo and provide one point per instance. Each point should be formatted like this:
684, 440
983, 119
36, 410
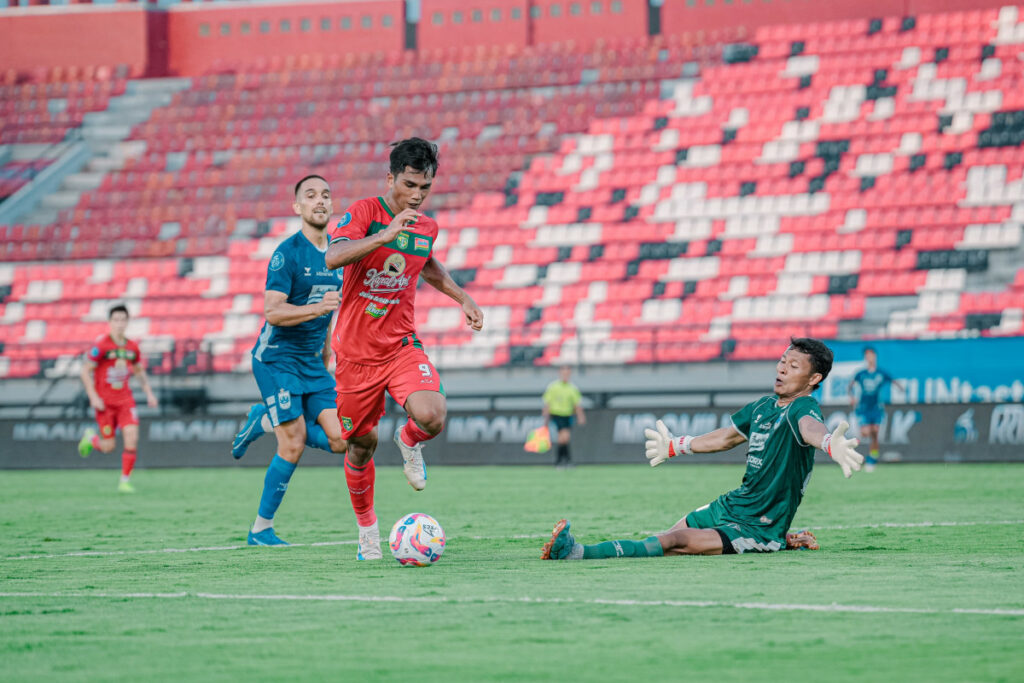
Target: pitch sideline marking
109, 553
785, 607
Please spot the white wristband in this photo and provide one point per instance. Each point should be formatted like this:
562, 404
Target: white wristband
683, 445
826, 444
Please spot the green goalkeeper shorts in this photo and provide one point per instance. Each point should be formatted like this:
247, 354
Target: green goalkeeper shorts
737, 535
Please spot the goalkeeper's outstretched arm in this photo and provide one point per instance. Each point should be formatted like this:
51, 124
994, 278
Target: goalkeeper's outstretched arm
662, 445
836, 445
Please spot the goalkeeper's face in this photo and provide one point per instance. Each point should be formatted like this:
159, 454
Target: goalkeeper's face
795, 375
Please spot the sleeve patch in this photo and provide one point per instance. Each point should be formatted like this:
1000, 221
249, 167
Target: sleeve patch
277, 261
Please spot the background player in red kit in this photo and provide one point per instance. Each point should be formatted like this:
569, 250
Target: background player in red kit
108, 366
385, 244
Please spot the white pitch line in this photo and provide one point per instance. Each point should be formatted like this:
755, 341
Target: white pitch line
212, 548
785, 607
110, 553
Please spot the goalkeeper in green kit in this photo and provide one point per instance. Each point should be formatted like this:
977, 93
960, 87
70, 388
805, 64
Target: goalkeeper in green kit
782, 432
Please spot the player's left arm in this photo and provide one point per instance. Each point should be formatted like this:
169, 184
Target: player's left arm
814, 433
895, 382
140, 372
326, 353
581, 417
438, 277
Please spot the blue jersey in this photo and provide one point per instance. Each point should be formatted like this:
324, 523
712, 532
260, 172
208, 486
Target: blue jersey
298, 269
870, 385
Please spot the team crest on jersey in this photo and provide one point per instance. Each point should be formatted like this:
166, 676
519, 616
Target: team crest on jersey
402, 240
108, 430
346, 422
277, 261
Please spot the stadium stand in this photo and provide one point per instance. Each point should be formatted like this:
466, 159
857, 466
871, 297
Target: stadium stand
850, 178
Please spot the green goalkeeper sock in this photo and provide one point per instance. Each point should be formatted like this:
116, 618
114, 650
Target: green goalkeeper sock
649, 547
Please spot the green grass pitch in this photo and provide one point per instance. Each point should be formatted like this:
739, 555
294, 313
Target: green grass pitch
919, 579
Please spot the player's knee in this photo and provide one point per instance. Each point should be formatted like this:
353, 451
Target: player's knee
360, 452
107, 445
338, 444
431, 419
291, 445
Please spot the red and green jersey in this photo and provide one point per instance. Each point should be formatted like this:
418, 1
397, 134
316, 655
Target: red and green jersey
378, 297
114, 366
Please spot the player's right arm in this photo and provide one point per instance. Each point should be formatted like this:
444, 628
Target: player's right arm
88, 376
280, 313
851, 389
662, 445
344, 251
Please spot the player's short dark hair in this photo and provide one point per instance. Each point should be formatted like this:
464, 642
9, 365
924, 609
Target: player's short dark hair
821, 355
870, 349
119, 308
309, 177
414, 153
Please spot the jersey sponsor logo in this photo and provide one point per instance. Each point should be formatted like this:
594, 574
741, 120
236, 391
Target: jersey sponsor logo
765, 519
421, 244
375, 310
345, 220
754, 462
757, 443
402, 240
316, 293
394, 265
277, 261
390, 277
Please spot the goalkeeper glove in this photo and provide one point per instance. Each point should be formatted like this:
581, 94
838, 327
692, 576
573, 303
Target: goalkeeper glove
661, 445
841, 449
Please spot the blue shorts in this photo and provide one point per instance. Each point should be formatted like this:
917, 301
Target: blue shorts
289, 396
870, 416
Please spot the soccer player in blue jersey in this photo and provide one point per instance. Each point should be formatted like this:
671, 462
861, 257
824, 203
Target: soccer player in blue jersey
782, 432
866, 398
291, 356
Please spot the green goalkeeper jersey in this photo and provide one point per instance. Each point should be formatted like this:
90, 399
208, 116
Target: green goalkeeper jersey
779, 464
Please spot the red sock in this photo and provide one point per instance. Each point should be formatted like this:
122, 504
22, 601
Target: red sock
413, 434
95, 441
360, 490
127, 462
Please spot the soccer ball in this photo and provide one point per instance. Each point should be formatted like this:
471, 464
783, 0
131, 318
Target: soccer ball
416, 540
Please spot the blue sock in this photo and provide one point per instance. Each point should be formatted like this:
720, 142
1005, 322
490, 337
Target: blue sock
274, 486
317, 437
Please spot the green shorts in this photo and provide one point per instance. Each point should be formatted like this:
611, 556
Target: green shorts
737, 536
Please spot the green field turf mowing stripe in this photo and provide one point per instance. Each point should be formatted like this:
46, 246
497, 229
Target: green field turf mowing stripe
918, 578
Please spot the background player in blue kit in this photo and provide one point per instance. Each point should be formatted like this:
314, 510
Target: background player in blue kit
291, 356
866, 398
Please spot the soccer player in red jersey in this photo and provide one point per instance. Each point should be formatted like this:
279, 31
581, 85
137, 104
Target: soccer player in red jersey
108, 366
385, 244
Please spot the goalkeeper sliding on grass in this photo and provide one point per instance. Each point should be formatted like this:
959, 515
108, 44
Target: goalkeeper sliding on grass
782, 432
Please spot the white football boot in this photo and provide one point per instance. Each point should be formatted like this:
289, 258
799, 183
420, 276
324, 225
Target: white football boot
369, 543
414, 467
